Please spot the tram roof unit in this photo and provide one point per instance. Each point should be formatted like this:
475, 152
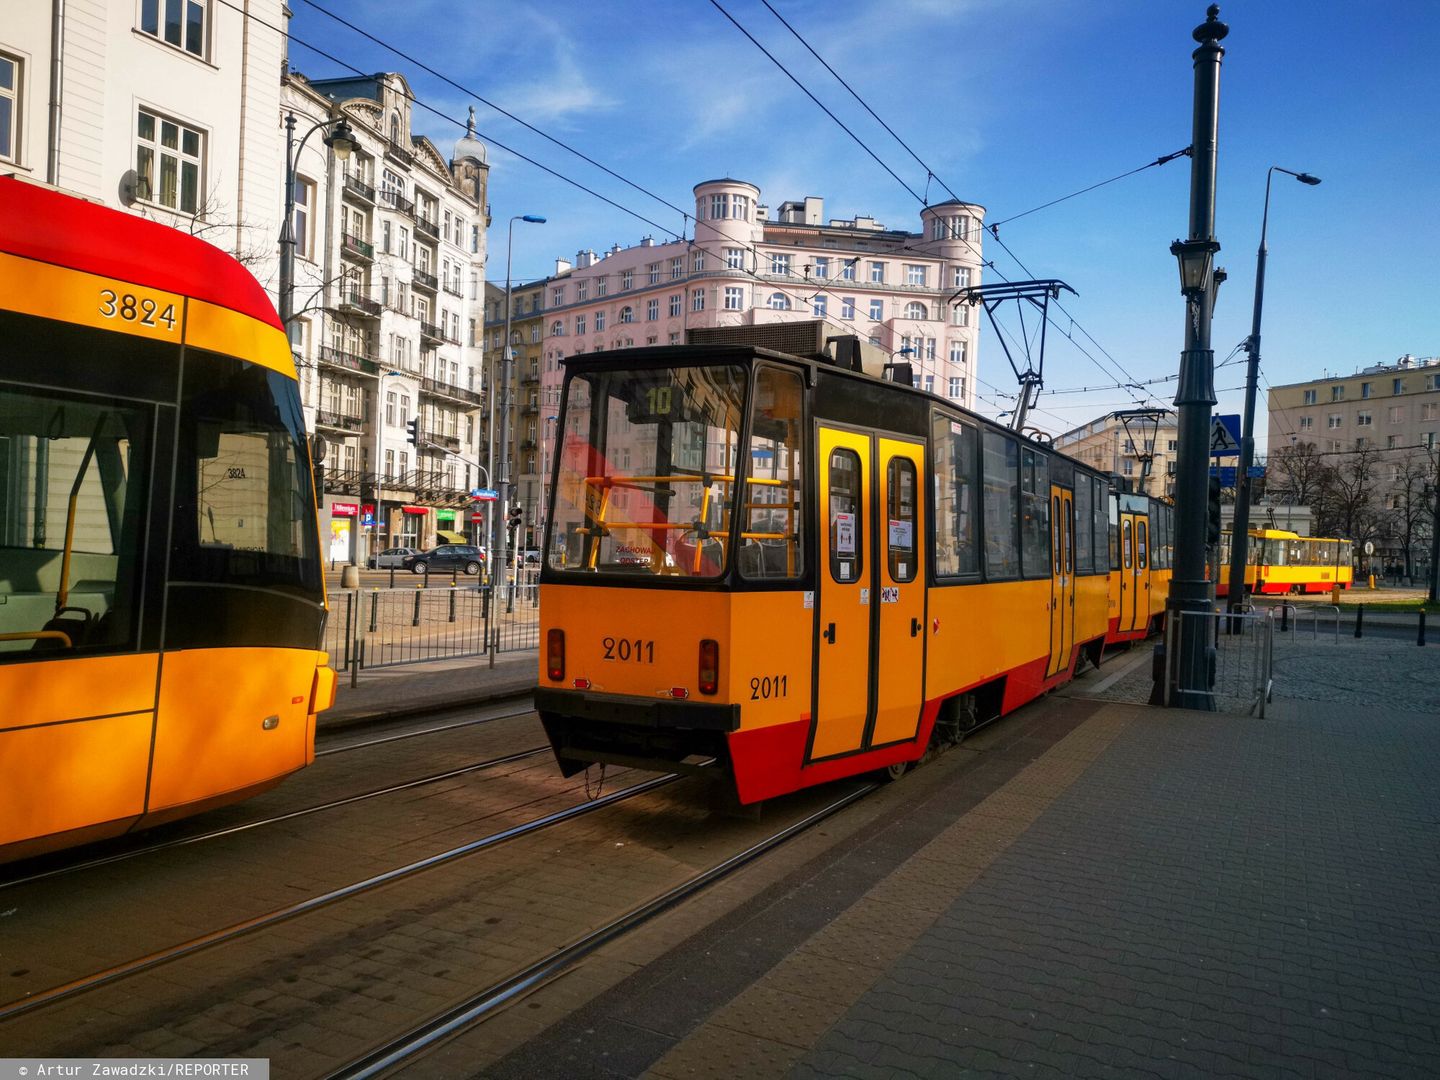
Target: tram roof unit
41, 223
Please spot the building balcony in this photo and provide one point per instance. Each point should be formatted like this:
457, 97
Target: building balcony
354, 302
529, 410
453, 288
437, 488
396, 152
422, 280
431, 333
358, 189
436, 438
349, 361
528, 444
357, 248
336, 421
349, 482
396, 201
426, 227
453, 393
530, 380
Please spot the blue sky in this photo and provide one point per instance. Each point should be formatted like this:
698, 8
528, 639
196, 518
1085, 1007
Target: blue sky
1011, 103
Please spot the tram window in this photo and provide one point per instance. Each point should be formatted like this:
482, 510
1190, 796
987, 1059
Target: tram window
1084, 525
55, 446
1002, 507
1142, 544
1035, 513
901, 492
847, 520
1126, 554
1107, 553
667, 440
771, 539
954, 452
1113, 524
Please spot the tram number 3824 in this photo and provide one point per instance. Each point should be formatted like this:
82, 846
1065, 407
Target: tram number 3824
637, 650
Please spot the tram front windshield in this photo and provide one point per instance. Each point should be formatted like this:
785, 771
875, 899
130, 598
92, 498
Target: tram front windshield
646, 480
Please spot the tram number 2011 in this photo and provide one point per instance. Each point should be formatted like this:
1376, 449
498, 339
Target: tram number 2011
636, 649
769, 686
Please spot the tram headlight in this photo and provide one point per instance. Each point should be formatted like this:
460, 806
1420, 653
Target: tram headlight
555, 654
709, 666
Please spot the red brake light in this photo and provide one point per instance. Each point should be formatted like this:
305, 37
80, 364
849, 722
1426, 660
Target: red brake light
709, 666
555, 654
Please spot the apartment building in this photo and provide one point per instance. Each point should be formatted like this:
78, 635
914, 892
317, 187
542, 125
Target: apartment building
166, 108
532, 407
390, 253
1113, 446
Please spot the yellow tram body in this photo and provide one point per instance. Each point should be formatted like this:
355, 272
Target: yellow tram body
801, 572
161, 602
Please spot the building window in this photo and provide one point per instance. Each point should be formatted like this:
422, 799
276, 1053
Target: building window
599, 321
1309, 397
652, 310
929, 384
960, 277
1362, 419
960, 315
1430, 411
675, 301
579, 324
1337, 393
1397, 386
818, 308
914, 274
178, 22
719, 206
557, 296
877, 273
734, 298
957, 352
304, 199
9, 108
734, 258
740, 207
822, 267
1307, 423
602, 286
779, 264
1365, 389
778, 302
1397, 414
957, 388
557, 328
168, 156
847, 307
654, 273
627, 279
1334, 420
877, 309
677, 267
697, 299
916, 310
697, 261
627, 314
582, 291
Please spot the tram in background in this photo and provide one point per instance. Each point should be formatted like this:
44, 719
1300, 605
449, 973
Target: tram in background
161, 595
1278, 561
1142, 551
744, 566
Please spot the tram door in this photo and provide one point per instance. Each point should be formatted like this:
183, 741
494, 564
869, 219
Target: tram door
901, 615
1134, 598
842, 684
1062, 579
1142, 572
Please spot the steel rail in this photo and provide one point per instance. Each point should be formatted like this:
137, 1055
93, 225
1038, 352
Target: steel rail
314, 903
403, 735
477, 1007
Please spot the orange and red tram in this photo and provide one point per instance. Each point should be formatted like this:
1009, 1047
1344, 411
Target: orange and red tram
161, 594
800, 571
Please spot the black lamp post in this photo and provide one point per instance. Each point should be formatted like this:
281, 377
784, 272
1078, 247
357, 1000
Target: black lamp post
341, 140
1240, 528
1191, 592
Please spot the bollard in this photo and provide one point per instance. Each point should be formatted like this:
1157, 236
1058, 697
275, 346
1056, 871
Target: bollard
1335, 595
415, 621
392, 575
1421, 639
1372, 581
374, 603
350, 577
1284, 618
1359, 619
452, 601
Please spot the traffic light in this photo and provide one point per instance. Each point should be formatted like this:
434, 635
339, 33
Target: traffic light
1212, 519
412, 431
514, 517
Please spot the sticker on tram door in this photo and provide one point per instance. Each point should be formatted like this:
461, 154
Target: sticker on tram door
809, 600
864, 596
890, 594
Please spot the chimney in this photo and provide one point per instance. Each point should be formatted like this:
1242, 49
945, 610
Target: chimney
562, 266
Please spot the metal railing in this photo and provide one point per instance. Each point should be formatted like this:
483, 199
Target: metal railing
355, 186
354, 245
425, 280
371, 628
1240, 653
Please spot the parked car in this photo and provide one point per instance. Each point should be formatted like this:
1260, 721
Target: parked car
464, 557
391, 557
532, 556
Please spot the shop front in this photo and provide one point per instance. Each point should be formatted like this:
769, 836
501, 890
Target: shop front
343, 535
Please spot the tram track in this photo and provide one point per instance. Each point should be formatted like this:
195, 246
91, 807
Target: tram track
339, 736
475, 1009
150, 961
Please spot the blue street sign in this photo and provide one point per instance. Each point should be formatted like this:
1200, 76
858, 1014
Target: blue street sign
1228, 474
484, 494
1225, 435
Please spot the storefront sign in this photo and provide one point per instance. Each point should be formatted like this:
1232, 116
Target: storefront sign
344, 510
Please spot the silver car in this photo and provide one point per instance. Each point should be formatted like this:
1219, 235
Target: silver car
391, 557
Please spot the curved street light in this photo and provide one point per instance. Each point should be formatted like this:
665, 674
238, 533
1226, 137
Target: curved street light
340, 139
1240, 525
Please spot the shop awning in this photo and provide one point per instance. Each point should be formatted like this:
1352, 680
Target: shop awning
448, 537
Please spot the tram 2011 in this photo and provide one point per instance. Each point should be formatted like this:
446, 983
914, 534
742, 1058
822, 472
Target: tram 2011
804, 572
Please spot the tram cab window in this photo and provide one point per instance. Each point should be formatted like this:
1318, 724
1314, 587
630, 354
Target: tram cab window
1112, 513
771, 534
74, 484
847, 520
1002, 506
954, 450
646, 472
1035, 512
901, 520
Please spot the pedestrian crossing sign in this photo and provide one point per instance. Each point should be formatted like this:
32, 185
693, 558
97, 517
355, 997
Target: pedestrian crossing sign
1225, 435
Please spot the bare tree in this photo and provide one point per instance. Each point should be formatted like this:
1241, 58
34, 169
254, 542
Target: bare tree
1348, 506
1409, 502
1297, 474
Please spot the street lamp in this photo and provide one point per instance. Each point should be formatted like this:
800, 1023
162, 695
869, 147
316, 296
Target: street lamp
380, 477
497, 541
1240, 527
341, 140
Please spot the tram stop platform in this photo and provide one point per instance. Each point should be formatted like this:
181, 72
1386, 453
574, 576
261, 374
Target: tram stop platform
1088, 888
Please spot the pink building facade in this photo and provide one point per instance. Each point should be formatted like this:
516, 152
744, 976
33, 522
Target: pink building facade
746, 266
